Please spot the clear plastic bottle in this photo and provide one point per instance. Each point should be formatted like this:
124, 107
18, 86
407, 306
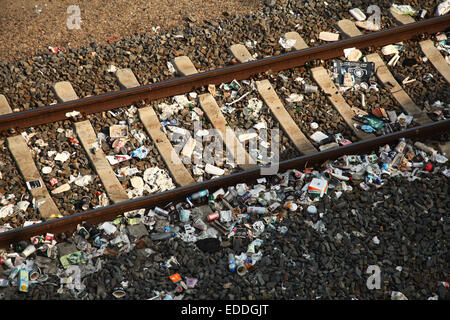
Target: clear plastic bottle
231, 262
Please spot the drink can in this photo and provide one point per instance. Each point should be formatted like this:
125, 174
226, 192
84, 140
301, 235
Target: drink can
213, 216
161, 211
273, 206
246, 195
260, 210
285, 180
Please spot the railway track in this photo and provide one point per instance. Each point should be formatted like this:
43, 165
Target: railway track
302, 149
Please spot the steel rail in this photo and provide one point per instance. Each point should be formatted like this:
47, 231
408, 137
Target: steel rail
168, 88
98, 215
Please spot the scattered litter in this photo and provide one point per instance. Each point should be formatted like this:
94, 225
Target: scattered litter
397, 295
63, 188
141, 152
158, 179
318, 136
111, 68
115, 159
118, 131
34, 184
171, 68
74, 114
352, 54
81, 181
389, 49
357, 14
46, 170
6, 211
287, 43
443, 8
356, 72
404, 9
247, 136
214, 170
295, 97
212, 89
253, 108
63, 156
309, 88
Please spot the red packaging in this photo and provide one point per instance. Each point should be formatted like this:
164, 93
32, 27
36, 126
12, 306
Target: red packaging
213, 216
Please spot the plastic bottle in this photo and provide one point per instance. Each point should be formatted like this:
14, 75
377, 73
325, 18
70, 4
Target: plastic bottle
260, 210
231, 262
199, 194
162, 235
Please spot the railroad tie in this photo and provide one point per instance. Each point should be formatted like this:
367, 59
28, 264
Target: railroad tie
88, 139
22, 155
348, 28
152, 125
212, 110
64, 91
299, 42
149, 119
126, 78
322, 78
401, 18
442, 66
270, 97
435, 58
240, 52
86, 134
184, 66
4, 105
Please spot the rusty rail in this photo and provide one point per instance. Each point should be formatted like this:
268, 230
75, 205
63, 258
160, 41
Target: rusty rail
112, 100
69, 223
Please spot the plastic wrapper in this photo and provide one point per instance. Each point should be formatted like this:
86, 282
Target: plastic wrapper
360, 72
